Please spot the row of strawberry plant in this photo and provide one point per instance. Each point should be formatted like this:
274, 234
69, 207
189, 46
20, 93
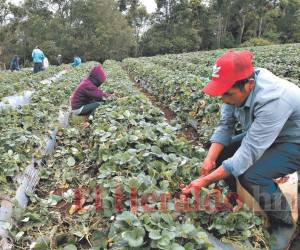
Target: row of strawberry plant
179, 91
176, 81
90, 194
283, 60
12, 83
24, 131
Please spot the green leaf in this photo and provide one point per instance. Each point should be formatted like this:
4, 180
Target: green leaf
19, 235
155, 234
78, 234
133, 138
42, 243
70, 247
133, 182
105, 157
167, 218
134, 162
189, 246
156, 150
36, 217
53, 200
172, 158
164, 241
171, 235
176, 246
127, 113
187, 228
128, 217
71, 161
113, 129
164, 185
135, 237
156, 217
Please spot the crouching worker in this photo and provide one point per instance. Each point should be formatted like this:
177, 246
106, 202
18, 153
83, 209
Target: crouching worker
87, 96
268, 108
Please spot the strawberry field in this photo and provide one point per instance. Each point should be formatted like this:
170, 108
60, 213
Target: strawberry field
117, 183
175, 80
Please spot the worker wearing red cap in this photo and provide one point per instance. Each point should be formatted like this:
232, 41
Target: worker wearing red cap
268, 108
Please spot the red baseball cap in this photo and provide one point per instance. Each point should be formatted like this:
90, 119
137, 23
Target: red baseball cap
232, 66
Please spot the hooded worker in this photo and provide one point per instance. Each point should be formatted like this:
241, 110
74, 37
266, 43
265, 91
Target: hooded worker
14, 64
87, 96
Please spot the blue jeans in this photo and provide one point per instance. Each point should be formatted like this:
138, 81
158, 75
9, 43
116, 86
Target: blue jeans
37, 67
277, 161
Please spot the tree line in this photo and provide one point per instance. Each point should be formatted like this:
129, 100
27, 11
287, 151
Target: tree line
115, 29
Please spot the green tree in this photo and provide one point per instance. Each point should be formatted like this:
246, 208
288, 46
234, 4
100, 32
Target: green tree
289, 21
4, 12
138, 18
262, 7
94, 30
202, 23
172, 29
222, 9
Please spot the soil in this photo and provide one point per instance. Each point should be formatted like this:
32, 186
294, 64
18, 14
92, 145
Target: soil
188, 132
62, 206
169, 114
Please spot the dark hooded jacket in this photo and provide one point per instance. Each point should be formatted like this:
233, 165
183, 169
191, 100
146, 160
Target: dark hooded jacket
14, 64
87, 91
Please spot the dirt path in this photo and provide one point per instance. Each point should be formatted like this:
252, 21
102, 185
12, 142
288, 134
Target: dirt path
187, 132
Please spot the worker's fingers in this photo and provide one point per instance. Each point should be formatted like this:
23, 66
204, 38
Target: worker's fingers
86, 125
186, 190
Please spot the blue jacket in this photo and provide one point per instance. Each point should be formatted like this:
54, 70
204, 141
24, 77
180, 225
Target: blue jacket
14, 64
77, 61
37, 56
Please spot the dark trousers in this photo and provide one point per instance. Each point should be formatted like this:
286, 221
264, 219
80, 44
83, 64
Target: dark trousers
277, 161
89, 109
37, 67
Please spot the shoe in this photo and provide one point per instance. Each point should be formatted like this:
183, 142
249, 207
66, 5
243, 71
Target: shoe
282, 228
282, 236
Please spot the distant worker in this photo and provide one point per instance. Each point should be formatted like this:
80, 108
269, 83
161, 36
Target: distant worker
38, 58
45, 63
14, 64
77, 61
87, 96
59, 60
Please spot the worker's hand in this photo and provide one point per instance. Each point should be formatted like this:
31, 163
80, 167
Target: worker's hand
195, 185
207, 166
85, 125
110, 96
113, 95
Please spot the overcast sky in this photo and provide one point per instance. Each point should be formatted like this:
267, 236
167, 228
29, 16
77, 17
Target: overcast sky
15, 1
150, 5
